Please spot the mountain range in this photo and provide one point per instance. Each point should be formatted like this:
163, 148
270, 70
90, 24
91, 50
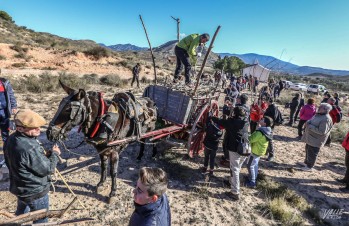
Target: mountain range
249, 58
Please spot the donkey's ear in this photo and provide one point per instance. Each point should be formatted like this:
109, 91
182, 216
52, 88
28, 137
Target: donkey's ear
67, 89
81, 94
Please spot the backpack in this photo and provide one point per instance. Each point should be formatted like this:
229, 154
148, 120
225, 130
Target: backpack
338, 112
278, 120
244, 146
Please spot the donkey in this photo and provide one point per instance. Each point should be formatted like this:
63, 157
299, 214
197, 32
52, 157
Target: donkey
87, 110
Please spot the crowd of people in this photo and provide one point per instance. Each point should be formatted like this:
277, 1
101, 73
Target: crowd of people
248, 130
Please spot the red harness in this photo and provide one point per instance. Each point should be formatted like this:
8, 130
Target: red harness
102, 111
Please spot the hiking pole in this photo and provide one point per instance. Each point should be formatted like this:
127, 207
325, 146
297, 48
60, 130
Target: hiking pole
70, 190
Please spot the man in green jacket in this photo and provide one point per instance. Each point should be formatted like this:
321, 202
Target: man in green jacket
30, 167
259, 141
186, 54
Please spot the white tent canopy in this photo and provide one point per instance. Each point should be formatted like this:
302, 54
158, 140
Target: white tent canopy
258, 71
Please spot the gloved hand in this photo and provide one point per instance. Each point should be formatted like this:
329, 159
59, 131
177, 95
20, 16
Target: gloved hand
198, 55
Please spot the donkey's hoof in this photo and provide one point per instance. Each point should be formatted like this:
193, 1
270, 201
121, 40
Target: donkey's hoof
111, 199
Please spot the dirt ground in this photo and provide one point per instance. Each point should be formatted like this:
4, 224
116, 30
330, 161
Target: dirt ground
193, 200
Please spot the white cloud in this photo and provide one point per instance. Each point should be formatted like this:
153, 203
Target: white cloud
182, 35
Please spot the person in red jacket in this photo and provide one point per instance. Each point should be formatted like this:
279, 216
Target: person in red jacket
334, 113
257, 112
345, 180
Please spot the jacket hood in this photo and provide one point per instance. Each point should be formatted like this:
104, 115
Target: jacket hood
266, 132
310, 106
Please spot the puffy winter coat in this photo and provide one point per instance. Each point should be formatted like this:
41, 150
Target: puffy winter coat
307, 112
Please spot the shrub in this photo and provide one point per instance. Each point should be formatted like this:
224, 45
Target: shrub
4, 15
2, 57
339, 132
91, 79
145, 80
36, 84
112, 80
19, 48
18, 65
73, 80
97, 52
20, 55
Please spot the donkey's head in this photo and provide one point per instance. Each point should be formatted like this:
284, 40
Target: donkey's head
72, 111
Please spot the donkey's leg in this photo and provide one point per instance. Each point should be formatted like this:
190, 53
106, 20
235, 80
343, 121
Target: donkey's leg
114, 162
141, 150
104, 165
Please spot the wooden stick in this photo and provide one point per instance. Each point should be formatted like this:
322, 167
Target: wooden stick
178, 22
7, 214
151, 50
205, 59
66, 184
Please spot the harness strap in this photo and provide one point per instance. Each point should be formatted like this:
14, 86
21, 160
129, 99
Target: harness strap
100, 115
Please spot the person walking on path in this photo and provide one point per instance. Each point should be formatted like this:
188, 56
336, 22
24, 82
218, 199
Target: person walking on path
186, 54
301, 104
293, 107
135, 71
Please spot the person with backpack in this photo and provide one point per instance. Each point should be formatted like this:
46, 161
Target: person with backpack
211, 141
237, 130
336, 116
259, 141
135, 72
336, 97
293, 107
315, 135
345, 180
306, 113
274, 113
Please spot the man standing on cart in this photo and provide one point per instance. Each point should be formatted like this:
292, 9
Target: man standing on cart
186, 54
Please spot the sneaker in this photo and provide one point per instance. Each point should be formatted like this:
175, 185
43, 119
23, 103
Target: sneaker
234, 197
306, 168
303, 164
270, 159
204, 170
345, 189
343, 181
250, 184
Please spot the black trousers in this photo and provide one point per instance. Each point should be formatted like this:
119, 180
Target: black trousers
253, 126
224, 145
210, 155
300, 127
182, 59
328, 141
135, 78
292, 112
270, 149
311, 154
297, 113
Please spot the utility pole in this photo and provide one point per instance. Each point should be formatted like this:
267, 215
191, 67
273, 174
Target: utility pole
178, 22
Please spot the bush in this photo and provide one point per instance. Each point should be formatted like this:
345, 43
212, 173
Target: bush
91, 79
20, 55
18, 65
4, 15
97, 52
36, 84
73, 81
19, 48
2, 57
111, 80
339, 132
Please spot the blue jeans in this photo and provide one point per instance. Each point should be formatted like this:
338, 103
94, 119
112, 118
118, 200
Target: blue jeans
4, 125
252, 165
37, 204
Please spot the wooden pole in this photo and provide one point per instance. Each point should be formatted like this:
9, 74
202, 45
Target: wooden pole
151, 50
178, 22
205, 59
66, 184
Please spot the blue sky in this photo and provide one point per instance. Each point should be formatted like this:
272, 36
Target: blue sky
304, 32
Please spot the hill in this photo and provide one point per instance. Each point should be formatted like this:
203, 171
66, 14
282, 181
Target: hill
282, 66
125, 47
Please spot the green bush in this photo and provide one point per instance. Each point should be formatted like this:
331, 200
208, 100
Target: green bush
111, 80
20, 55
2, 57
4, 15
36, 84
19, 48
73, 81
97, 52
91, 78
